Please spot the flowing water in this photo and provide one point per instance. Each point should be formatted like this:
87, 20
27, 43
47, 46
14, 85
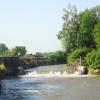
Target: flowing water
50, 83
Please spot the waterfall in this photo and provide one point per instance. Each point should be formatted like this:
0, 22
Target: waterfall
54, 71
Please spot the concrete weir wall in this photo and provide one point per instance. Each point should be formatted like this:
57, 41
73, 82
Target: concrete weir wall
11, 64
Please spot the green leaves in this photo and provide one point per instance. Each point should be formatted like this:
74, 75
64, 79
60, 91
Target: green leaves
77, 28
76, 54
96, 35
69, 30
18, 51
87, 22
93, 59
56, 57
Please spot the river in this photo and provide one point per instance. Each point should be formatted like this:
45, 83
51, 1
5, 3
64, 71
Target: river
47, 86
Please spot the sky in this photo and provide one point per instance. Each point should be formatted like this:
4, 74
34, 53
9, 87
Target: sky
35, 23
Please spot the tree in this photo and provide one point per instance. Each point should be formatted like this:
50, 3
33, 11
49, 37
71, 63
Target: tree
58, 57
78, 27
3, 48
87, 21
70, 29
19, 51
96, 35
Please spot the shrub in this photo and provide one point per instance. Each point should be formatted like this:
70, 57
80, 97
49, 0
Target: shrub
76, 54
92, 59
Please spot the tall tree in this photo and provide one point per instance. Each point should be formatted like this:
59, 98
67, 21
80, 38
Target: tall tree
96, 30
70, 28
77, 28
87, 21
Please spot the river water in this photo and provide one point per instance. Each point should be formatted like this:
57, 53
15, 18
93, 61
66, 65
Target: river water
44, 85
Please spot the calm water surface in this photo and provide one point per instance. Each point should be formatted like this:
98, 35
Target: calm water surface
50, 88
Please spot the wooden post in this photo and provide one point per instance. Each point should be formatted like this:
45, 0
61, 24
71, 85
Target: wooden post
80, 61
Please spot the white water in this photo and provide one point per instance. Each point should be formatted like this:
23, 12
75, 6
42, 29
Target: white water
55, 74
54, 71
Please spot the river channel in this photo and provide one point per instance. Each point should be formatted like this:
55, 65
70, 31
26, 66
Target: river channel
46, 86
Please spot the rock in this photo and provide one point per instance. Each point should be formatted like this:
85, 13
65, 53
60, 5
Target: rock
21, 70
82, 70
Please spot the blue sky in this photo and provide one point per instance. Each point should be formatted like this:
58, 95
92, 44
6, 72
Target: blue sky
35, 23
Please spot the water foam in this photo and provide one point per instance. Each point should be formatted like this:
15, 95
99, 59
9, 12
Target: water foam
31, 91
55, 74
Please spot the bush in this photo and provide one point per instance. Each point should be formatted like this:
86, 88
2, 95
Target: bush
93, 60
76, 54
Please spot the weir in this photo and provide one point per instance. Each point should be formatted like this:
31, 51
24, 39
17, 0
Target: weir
56, 74
54, 71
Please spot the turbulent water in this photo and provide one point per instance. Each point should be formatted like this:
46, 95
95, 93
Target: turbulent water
50, 83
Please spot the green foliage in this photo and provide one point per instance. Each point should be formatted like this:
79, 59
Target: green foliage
96, 10
50, 56
77, 28
18, 51
76, 54
96, 35
93, 59
56, 57
79, 32
3, 48
87, 22
70, 29
7, 54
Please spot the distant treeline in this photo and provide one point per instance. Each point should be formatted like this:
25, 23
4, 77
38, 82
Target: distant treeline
56, 57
